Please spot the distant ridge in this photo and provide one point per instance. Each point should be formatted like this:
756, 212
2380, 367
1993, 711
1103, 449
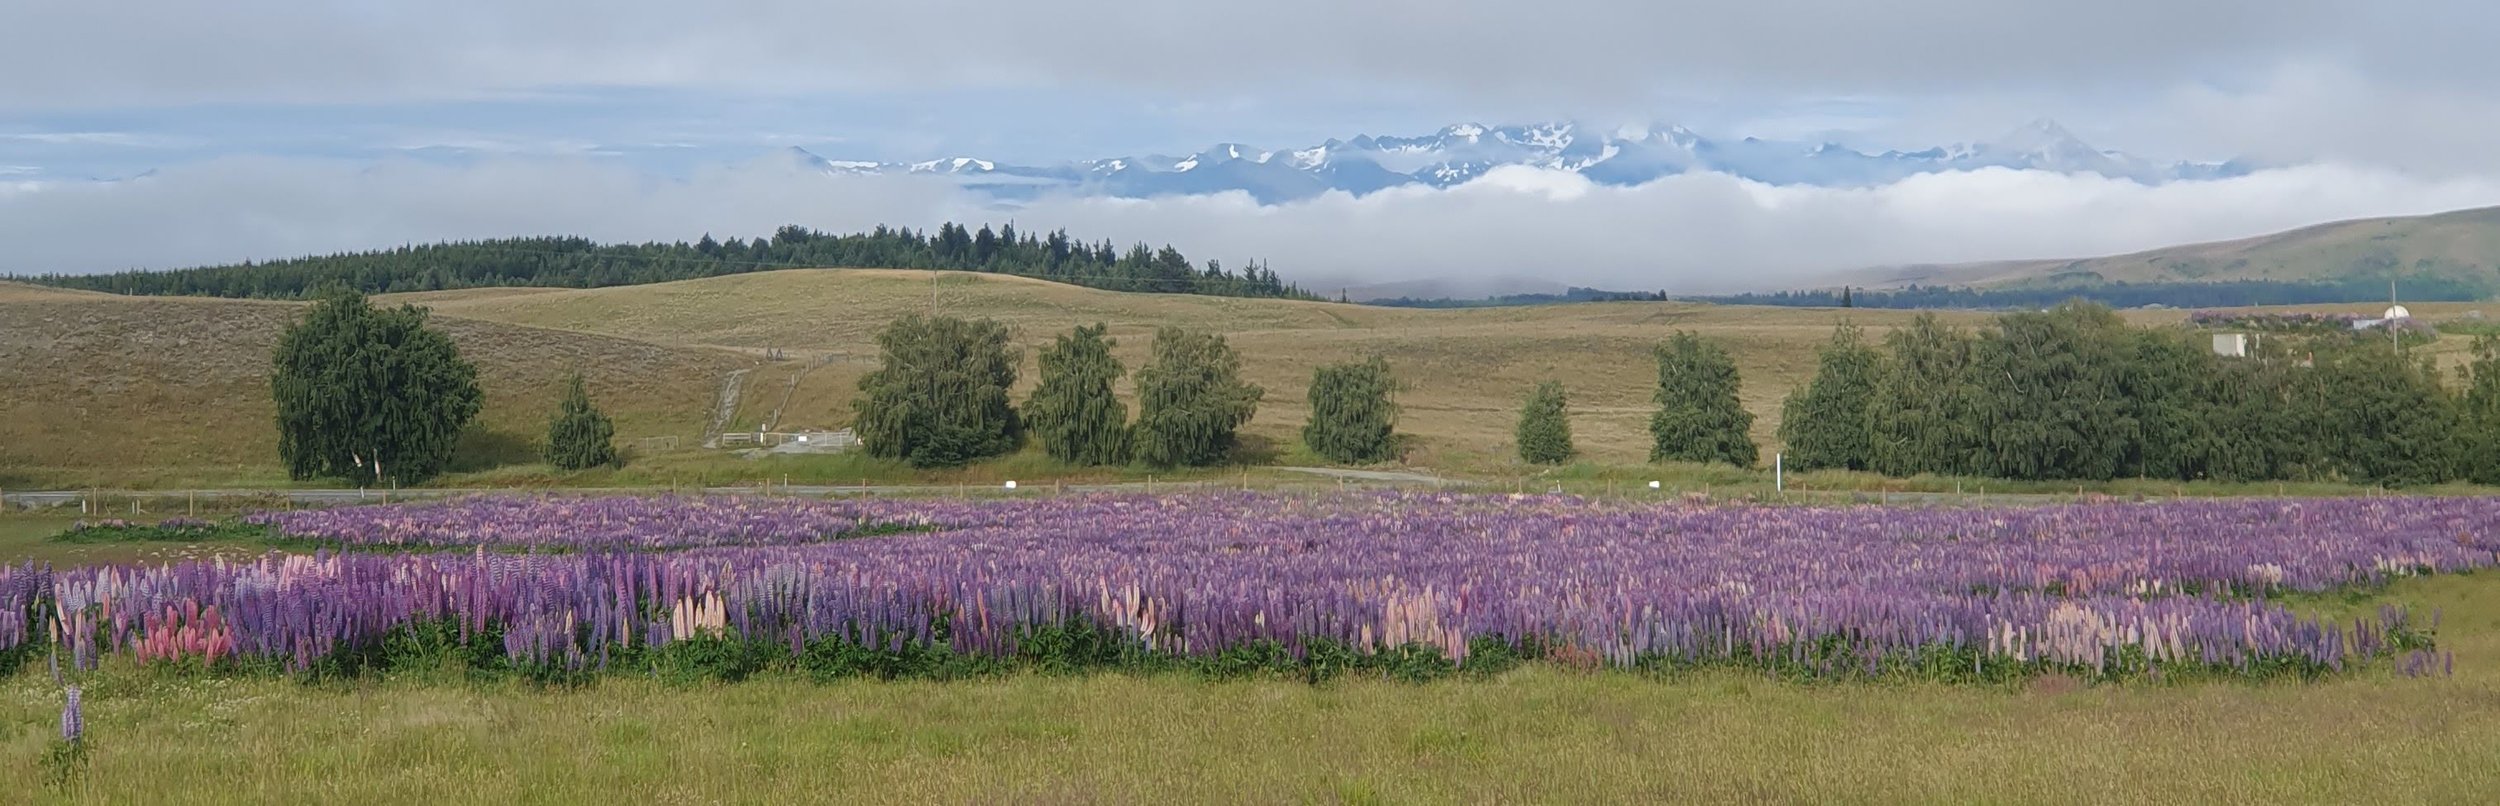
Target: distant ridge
567, 262
2460, 247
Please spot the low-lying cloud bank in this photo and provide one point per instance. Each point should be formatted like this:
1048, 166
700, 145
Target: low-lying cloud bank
1692, 233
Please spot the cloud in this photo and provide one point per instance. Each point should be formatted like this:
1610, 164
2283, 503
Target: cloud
1563, 54
1692, 233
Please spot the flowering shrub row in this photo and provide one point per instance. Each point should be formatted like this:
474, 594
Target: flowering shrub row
2108, 590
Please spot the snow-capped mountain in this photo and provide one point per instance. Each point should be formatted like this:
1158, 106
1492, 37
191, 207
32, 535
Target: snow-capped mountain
1461, 153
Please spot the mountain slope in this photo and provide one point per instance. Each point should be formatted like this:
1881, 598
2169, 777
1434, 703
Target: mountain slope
1463, 152
2461, 246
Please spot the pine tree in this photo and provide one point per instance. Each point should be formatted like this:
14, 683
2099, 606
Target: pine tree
1699, 418
579, 436
1824, 424
369, 395
1190, 400
940, 399
1074, 412
1544, 432
1353, 418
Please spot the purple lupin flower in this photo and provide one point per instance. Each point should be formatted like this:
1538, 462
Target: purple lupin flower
73, 719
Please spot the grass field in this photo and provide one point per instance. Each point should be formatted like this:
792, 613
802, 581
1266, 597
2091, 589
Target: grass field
170, 391
156, 392
1538, 733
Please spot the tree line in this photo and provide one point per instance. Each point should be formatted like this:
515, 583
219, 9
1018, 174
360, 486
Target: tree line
2072, 393
2216, 294
580, 263
941, 398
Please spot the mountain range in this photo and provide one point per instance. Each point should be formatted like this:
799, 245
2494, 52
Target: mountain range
1461, 153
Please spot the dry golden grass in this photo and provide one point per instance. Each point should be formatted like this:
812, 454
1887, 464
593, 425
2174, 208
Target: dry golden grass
98, 388
101, 382
1467, 369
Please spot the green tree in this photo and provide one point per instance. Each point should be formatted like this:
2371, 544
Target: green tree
2481, 412
1074, 412
2385, 420
369, 394
1699, 418
940, 399
2173, 390
579, 436
1190, 400
1353, 415
2051, 395
1824, 425
1544, 431
1923, 418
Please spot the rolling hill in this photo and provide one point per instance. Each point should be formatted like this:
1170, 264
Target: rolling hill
93, 385
95, 388
2461, 246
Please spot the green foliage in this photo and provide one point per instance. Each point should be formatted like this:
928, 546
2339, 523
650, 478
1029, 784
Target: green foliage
580, 263
1074, 412
2386, 420
579, 436
2480, 410
64, 763
1699, 418
1544, 431
1923, 417
1191, 400
174, 530
2167, 381
1353, 418
2051, 389
1824, 424
369, 395
2072, 393
940, 399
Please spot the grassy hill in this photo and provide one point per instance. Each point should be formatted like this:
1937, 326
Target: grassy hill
104, 389
2460, 246
97, 387
1466, 369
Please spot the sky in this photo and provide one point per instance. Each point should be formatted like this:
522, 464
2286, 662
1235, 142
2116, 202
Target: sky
160, 133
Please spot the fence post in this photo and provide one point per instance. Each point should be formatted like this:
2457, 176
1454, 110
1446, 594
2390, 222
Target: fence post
193, 499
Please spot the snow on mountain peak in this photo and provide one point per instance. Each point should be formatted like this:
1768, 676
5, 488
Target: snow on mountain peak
1467, 151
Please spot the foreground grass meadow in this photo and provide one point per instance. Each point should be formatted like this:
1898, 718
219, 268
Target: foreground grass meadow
1538, 732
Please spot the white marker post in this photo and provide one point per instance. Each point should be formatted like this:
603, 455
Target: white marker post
1779, 472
